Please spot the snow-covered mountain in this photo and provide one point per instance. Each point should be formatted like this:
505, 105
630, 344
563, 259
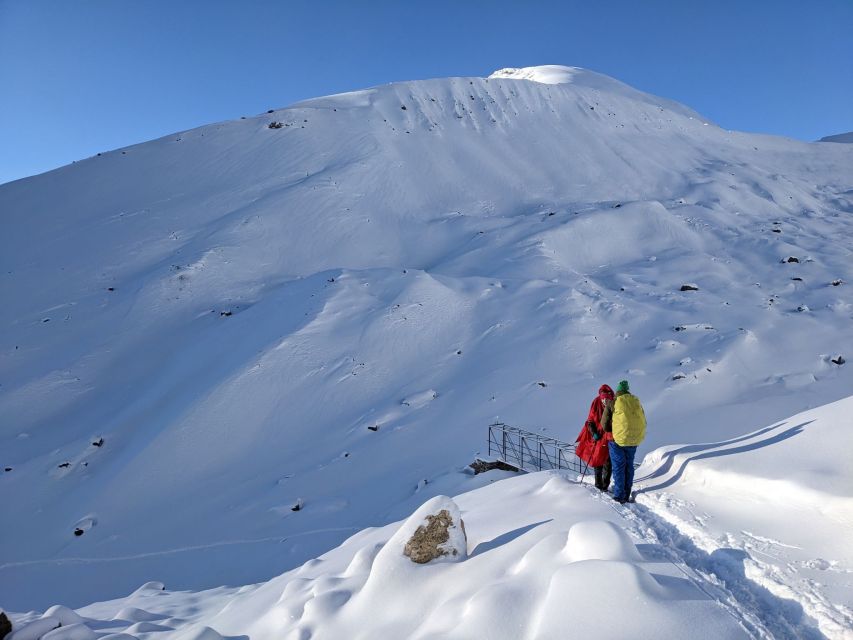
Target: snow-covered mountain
839, 137
325, 305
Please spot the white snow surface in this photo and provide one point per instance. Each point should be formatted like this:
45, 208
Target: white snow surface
201, 332
539, 564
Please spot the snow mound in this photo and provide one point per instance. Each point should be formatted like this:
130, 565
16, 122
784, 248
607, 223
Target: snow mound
65, 615
600, 540
392, 558
353, 591
71, 632
35, 629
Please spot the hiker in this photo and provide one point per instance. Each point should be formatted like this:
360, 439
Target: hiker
628, 429
591, 442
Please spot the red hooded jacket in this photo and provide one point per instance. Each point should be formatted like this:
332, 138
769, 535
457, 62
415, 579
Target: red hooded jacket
594, 452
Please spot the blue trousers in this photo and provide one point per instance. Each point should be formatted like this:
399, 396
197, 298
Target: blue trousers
622, 459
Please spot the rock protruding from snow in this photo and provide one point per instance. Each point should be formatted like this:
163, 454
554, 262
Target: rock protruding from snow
600, 540
433, 533
5, 625
440, 537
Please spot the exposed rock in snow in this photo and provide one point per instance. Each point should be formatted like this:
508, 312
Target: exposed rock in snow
440, 536
481, 466
5, 625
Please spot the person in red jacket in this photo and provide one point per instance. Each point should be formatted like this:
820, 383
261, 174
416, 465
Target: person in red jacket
591, 442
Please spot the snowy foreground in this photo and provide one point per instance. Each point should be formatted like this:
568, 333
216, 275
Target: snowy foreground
225, 352
546, 553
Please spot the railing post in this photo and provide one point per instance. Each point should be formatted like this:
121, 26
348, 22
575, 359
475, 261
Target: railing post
540, 456
503, 444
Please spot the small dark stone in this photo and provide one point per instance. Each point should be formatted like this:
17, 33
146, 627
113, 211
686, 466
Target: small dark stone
839, 360
679, 328
776, 230
225, 314
111, 288
275, 125
270, 111
459, 352
373, 427
78, 532
330, 280
99, 442
837, 282
617, 205
64, 465
791, 259
7, 469
297, 506
46, 320
689, 287
678, 376
542, 384
797, 279
403, 107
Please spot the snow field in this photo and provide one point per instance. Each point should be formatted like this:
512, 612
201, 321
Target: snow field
542, 558
328, 315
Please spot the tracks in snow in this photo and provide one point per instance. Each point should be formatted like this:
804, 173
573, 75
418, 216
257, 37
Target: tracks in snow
735, 579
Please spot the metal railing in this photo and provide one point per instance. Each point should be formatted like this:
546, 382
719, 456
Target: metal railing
530, 451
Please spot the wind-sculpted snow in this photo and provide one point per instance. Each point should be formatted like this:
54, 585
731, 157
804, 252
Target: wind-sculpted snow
546, 556
327, 314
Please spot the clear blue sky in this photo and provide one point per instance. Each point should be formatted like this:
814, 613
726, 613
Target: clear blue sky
78, 77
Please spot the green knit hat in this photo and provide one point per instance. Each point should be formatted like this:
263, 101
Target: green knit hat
622, 386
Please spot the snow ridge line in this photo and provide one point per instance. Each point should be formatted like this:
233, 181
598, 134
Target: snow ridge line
763, 614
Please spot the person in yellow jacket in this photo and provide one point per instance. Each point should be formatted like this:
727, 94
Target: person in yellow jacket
628, 429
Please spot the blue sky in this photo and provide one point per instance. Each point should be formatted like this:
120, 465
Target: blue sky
78, 77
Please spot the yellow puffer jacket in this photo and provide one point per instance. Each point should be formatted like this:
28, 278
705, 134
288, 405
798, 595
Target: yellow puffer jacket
629, 420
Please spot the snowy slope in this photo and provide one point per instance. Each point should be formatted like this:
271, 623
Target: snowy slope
839, 137
774, 506
544, 557
230, 308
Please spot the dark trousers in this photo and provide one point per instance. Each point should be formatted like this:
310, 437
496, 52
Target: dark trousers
602, 476
622, 459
